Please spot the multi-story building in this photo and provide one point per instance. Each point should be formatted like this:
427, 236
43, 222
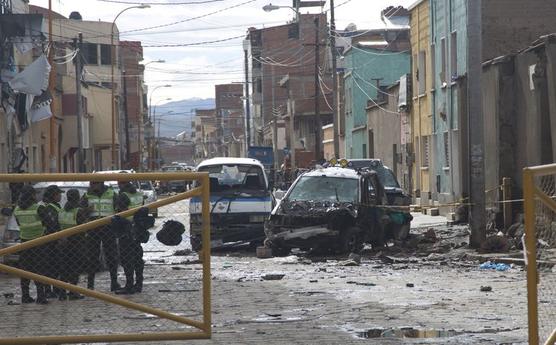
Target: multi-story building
421, 100
448, 20
282, 75
134, 105
230, 118
374, 59
204, 134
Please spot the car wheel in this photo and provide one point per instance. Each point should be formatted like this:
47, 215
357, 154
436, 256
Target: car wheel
351, 241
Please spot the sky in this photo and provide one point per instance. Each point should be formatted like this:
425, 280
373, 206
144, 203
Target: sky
194, 70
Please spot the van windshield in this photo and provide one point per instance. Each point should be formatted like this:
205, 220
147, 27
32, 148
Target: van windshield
235, 177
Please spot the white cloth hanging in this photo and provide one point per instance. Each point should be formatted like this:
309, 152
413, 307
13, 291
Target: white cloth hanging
33, 80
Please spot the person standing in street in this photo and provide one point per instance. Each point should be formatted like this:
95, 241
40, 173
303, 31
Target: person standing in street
51, 204
29, 217
71, 251
102, 201
128, 190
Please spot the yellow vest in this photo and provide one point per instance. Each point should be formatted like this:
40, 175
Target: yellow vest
30, 224
102, 205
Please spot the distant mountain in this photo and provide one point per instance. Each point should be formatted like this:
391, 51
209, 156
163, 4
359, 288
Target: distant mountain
175, 117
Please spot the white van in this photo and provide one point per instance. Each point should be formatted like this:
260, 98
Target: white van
240, 201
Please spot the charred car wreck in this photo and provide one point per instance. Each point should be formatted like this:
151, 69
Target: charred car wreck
335, 210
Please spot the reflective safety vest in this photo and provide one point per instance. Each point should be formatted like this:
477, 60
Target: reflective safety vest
135, 200
68, 219
30, 224
102, 205
56, 207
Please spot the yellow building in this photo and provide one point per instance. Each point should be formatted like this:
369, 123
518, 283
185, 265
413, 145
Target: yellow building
422, 93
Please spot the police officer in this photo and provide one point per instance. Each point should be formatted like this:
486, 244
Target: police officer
51, 204
102, 200
72, 250
29, 217
128, 190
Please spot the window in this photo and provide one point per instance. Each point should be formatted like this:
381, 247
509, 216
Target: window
90, 53
422, 72
105, 54
293, 31
433, 67
443, 60
364, 150
446, 149
416, 74
425, 154
454, 56
322, 188
259, 85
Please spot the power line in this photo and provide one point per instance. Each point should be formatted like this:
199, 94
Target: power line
161, 3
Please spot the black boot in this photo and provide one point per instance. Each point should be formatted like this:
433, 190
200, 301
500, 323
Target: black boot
41, 294
72, 296
91, 281
114, 285
25, 296
49, 293
127, 290
62, 295
138, 287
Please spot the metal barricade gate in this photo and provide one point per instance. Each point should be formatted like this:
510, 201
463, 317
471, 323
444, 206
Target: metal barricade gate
204, 325
539, 189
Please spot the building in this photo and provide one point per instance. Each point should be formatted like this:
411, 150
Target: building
282, 75
389, 135
421, 101
96, 53
520, 114
448, 21
374, 60
204, 134
134, 104
230, 119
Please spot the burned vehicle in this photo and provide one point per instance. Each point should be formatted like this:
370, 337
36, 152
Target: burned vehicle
333, 210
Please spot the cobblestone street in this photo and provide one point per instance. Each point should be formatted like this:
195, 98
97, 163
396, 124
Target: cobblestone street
316, 302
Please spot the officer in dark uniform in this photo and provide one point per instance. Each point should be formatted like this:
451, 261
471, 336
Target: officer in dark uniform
102, 201
51, 204
29, 218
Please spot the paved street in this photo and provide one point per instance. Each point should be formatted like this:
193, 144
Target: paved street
317, 302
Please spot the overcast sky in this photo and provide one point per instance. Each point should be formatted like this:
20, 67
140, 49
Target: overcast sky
193, 71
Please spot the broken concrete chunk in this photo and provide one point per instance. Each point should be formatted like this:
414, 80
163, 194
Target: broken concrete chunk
486, 288
410, 285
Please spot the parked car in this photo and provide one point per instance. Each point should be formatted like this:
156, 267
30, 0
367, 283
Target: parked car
178, 186
333, 210
9, 235
149, 191
240, 200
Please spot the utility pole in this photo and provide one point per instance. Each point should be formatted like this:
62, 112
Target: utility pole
51, 81
126, 121
78, 43
476, 136
247, 102
318, 129
335, 112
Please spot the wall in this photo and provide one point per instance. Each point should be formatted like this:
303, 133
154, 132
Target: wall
421, 111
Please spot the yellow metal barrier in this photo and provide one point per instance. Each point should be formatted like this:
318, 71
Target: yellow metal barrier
204, 326
539, 189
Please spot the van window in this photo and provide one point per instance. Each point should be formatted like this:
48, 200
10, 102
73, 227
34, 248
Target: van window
235, 177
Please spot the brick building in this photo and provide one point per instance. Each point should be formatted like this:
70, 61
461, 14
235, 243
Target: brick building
230, 119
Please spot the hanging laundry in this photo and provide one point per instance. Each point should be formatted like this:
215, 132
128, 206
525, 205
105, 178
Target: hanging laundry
33, 80
40, 109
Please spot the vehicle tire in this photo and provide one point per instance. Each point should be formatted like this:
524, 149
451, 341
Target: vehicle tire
350, 241
196, 243
280, 251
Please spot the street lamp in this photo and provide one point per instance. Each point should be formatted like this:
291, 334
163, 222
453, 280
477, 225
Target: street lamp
271, 7
156, 148
151, 97
113, 96
154, 61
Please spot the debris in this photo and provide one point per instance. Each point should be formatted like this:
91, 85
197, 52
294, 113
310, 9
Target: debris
9, 295
495, 244
429, 236
287, 260
178, 290
273, 315
361, 284
410, 285
177, 268
486, 288
273, 276
160, 261
494, 266
264, 252
348, 262
87, 320
13, 303
183, 252
313, 281
355, 257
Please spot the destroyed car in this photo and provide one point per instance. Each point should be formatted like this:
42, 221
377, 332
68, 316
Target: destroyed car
333, 210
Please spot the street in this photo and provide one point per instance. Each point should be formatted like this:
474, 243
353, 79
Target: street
431, 296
